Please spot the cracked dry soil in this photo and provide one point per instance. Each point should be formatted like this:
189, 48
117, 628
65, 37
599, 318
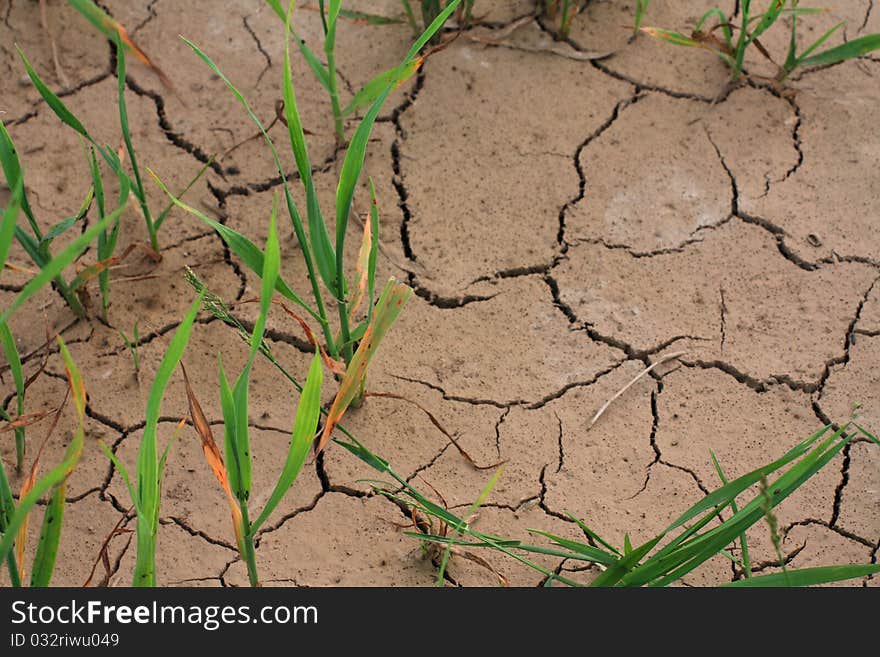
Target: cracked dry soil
564, 223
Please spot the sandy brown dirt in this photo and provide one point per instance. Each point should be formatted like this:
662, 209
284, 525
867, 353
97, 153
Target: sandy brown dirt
565, 223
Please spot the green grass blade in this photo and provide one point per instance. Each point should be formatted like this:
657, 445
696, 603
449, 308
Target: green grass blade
589, 532
52, 100
808, 576
7, 508
588, 551
318, 69
120, 467
148, 458
126, 136
767, 19
743, 540
58, 263
722, 21
369, 19
65, 224
230, 446
276, 7
354, 156
272, 263
8, 223
305, 424
164, 214
818, 42
373, 89
291, 207
50, 537
734, 508
849, 50
374, 251
625, 564
867, 434
10, 349
721, 497
456, 529
15, 178
710, 543
241, 246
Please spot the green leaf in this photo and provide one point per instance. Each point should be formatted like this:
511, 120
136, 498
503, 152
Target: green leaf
14, 177
57, 264
588, 551
126, 136
325, 258
370, 19
120, 467
808, 576
722, 497
148, 493
8, 222
354, 156
241, 246
230, 446
304, 427
272, 262
818, 42
374, 88
767, 19
848, 50
52, 100
10, 349
50, 537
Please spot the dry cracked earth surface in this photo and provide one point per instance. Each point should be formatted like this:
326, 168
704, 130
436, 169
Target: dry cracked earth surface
565, 223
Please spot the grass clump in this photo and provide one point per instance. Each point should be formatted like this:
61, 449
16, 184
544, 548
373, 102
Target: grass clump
730, 41
324, 254
434, 14
683, 546
234, 475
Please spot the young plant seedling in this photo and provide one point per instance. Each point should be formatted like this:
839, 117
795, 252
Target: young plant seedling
52, 266
234, 472
133, 347
735, 40
566, 10
14, 514
434, 18
324, 256
146, 491
36, 243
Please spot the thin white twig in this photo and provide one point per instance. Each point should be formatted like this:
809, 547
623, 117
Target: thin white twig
605, 406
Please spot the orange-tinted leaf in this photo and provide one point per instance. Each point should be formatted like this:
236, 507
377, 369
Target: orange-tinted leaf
25, 420
333, 365
214, 458
362, 268
390, 303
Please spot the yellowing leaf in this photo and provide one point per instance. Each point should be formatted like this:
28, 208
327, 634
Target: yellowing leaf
388, 308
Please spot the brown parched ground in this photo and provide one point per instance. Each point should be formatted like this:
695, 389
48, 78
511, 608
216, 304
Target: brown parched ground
565, 223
